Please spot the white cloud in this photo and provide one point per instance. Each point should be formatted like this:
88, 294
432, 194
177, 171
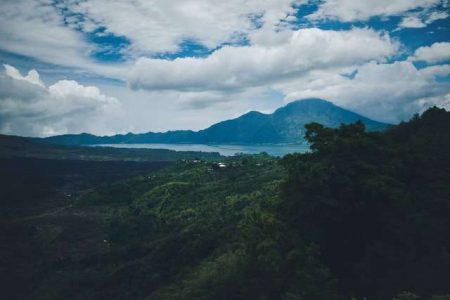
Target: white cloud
361, 10
35, 29
412, 22
32, 76
437, 52
387, 92
436, 15
195, 92
421, 19
161, 25
438, 70
28, 107
440, 101
40, 30
302, 64
235, 68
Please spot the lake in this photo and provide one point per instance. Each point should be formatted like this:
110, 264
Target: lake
226, 150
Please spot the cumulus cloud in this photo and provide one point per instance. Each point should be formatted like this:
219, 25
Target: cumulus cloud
234, 68
351, 10
412, 22
437, 52
32, 76
389, 92
28, 107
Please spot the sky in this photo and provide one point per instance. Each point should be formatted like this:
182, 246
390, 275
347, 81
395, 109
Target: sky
107, 67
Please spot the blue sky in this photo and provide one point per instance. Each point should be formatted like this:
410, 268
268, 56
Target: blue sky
116, 66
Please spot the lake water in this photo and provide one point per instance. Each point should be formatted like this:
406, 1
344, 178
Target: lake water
226, 150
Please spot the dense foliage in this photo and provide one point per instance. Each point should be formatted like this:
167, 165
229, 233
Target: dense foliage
377, 205
363, 215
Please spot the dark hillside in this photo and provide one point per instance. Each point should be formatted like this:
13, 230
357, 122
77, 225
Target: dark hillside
363, 215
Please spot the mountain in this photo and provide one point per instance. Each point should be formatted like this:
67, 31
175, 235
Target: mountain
285, 125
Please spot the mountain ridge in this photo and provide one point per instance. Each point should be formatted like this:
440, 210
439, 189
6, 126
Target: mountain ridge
284, 126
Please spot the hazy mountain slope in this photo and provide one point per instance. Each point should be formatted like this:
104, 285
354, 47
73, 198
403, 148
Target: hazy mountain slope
253, 127
285, 125
289, 121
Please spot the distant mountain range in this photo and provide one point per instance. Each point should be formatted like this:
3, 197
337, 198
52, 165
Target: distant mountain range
285, 125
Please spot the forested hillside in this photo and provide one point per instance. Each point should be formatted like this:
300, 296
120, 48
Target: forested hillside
376, 206
363, 215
